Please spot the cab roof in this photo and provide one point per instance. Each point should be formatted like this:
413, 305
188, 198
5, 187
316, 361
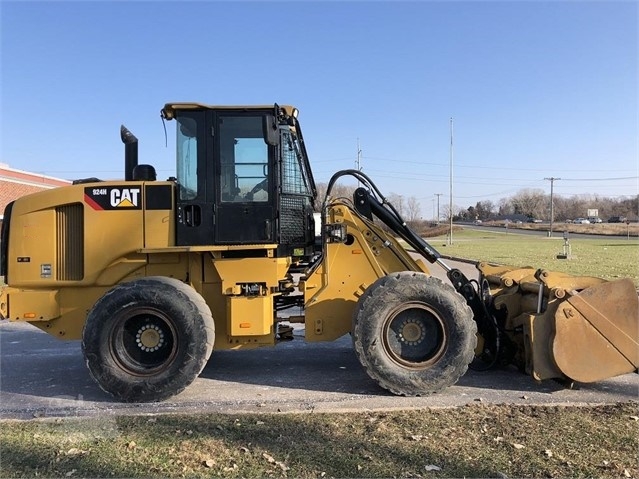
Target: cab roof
169, 109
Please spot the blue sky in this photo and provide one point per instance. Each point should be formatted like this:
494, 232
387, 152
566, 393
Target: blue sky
536, 89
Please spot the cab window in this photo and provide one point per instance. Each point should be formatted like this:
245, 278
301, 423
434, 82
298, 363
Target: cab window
187, 150
244, 162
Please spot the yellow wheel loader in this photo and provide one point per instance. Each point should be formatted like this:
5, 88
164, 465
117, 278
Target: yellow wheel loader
153, 275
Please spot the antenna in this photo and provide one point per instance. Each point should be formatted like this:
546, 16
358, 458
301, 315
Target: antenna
358, 161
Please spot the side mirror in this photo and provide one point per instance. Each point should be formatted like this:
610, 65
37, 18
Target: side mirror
270, 130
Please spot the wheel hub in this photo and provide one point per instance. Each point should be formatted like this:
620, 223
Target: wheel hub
414, 336
149, 338
411, 332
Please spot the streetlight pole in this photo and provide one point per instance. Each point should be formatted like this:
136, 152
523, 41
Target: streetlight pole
438, 195
552, 180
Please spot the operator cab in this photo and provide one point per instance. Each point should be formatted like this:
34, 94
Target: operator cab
243, 177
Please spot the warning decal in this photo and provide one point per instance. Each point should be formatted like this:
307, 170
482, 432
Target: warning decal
114, 198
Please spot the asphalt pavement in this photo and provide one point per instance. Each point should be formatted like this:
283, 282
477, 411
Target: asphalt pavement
41, 376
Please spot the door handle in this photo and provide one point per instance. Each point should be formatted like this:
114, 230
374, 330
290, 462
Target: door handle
192, 215
267, 226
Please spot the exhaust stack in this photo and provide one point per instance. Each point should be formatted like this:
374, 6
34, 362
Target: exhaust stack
130, 152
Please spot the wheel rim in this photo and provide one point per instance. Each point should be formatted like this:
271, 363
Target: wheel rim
415, 335
143, 341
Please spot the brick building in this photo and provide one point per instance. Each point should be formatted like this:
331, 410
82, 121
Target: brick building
16, 183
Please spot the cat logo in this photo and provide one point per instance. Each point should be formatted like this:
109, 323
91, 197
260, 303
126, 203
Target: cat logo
113, 198
125, 197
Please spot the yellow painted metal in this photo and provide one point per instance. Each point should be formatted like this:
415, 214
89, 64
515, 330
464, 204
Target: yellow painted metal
4, 301
505, 276
347, 268
74, 304
581, 328
250, 315
159, 229
597, 332
170, 108
216, 250
36, 305
109, 236
33, 247
220, 290
130, 266
229, 272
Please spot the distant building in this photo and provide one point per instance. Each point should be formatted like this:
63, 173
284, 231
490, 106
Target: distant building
16, 183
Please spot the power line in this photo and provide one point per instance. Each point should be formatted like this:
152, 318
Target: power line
480, 167
601, 179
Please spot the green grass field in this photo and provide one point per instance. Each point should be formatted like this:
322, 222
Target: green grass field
607, 257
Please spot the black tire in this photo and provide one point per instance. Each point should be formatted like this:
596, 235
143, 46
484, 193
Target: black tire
413, 334
148, 339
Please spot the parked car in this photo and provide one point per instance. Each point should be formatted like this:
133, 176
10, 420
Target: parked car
581, 221
534, 220
617, 219
595, 219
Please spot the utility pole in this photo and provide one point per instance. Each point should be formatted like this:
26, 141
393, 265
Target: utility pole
450, 235
438, 195
433, 209
552, 180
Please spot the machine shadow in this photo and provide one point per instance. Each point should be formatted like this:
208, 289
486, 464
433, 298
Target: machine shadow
334, 367
55, 376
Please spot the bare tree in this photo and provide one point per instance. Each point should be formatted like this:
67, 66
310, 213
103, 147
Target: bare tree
321, 194
530, 202
339, 191
398, 203
484, 209
535, 203
413, 210
506, 207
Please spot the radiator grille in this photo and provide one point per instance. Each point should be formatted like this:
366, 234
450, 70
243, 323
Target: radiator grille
69, 242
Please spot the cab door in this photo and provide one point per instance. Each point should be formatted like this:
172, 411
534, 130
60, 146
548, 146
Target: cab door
245, 182
195, 203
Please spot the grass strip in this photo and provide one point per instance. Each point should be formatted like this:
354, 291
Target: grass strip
472, 441
608, 258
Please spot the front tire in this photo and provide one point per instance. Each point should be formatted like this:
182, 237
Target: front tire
413, 334
148, 339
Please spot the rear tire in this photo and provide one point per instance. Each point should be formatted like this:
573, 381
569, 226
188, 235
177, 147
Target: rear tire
148, 339
413, 334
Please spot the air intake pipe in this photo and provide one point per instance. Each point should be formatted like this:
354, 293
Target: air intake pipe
130, 152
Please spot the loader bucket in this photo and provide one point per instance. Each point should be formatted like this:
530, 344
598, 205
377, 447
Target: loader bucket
573, 328
596, 332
